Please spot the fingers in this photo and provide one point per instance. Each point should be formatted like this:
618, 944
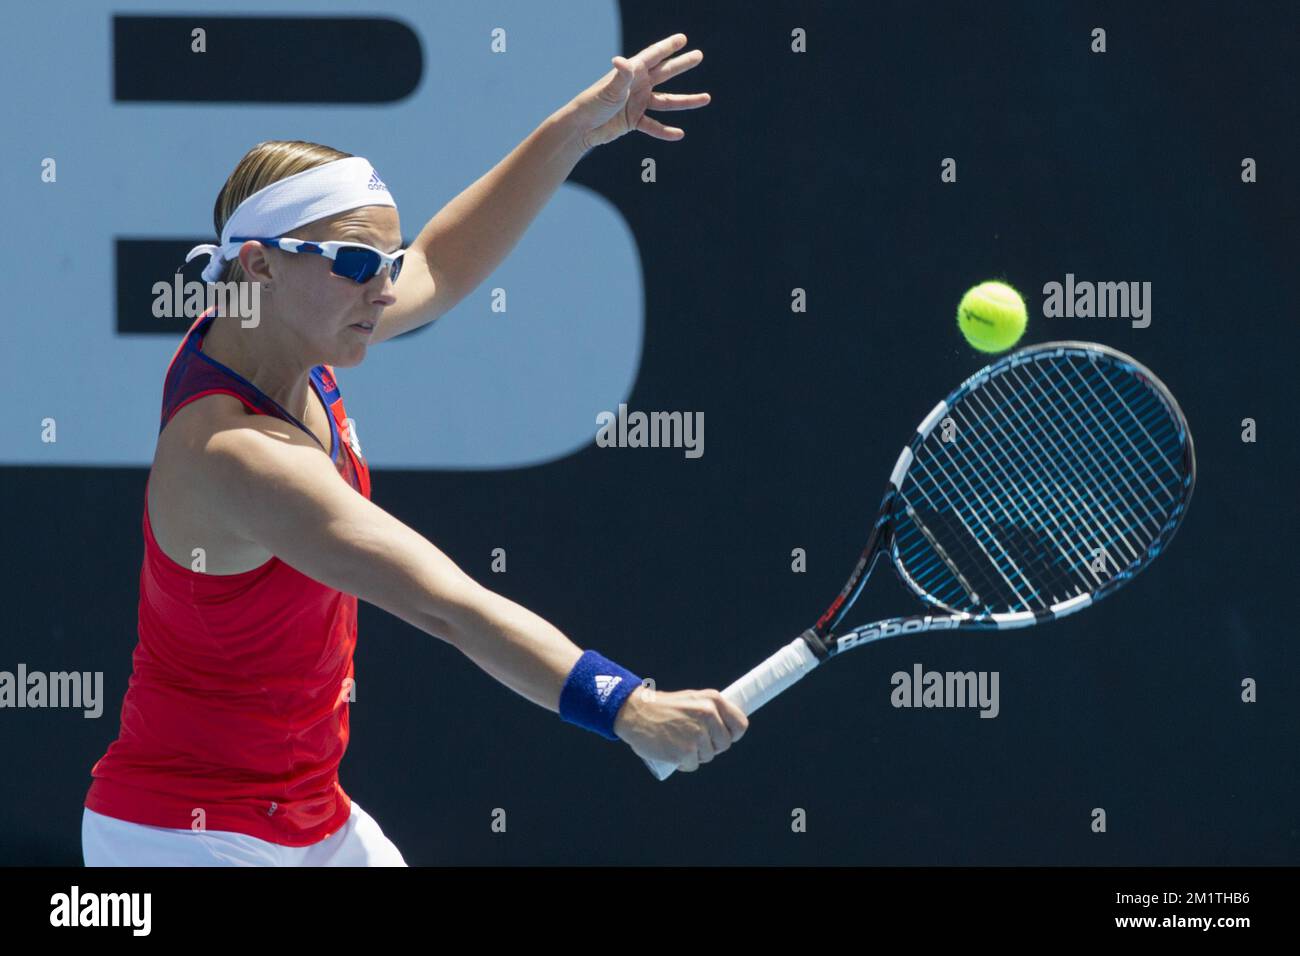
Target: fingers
652, 127
655, 52
708, 749
678, 101
678, 64
725, 725
733, 717
616, 82
711, 724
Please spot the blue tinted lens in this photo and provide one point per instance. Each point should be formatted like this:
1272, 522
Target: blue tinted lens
359, 265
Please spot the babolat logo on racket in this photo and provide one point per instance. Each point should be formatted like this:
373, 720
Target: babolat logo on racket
891, 628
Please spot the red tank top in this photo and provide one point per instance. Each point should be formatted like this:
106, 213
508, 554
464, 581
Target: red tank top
237, 703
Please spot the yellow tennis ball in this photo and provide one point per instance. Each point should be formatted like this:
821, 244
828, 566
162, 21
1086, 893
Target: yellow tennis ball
992, 316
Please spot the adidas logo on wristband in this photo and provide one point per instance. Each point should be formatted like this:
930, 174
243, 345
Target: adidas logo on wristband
605, 684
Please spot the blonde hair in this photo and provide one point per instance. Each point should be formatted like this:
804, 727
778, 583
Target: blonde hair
265, 163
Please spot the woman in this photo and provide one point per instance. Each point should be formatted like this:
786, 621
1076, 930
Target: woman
260, 535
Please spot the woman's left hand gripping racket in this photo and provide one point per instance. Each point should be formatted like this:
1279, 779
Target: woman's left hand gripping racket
1046, 481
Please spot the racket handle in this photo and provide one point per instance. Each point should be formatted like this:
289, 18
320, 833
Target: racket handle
760, 685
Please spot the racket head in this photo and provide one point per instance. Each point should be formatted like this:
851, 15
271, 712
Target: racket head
1041, 484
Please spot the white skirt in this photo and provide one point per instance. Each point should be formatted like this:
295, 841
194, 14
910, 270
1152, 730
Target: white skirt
108, 841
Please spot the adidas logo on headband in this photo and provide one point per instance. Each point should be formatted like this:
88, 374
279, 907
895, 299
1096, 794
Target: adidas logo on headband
288, 203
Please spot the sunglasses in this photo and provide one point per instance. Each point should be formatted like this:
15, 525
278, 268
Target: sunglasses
351, 260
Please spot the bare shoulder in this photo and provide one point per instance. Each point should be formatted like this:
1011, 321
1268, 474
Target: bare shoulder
247, 487
189, 494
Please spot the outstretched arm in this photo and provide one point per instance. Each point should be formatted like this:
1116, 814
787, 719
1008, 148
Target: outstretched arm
462, 245
275, 488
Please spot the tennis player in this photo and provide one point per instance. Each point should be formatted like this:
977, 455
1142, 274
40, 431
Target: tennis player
260, 535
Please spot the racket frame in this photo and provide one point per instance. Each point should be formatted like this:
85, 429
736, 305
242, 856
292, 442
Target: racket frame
822, 636
821, 641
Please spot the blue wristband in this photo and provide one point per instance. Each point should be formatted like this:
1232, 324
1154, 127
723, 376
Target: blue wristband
594, 691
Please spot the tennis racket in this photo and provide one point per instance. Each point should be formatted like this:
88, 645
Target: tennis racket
1043, 483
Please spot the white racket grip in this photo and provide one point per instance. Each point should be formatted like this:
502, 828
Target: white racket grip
779, 672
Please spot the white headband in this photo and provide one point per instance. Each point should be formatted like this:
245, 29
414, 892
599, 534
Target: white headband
283, 206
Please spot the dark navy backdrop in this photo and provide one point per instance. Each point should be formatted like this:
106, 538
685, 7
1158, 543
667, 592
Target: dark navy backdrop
821, 171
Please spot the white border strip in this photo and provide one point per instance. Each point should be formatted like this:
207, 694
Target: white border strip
901, 466
1077, 603
932, 419
1019, 619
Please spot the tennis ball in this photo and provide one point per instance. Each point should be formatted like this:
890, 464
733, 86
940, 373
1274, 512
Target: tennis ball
992, 316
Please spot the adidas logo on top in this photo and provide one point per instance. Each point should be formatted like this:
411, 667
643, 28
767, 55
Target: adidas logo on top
376, 182
605, 684
351, 433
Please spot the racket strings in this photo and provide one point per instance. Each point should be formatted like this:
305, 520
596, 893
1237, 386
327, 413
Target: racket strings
942, 555
1050, 489
1051, 504
1095, 429
1062, 535
1064, 473
1096, 478
1002, 488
